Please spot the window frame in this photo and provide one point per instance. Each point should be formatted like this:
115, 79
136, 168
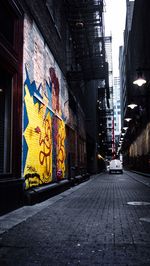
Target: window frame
11, 57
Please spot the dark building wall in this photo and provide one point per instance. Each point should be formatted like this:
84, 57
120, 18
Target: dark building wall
11, 54
138, 57
91, 124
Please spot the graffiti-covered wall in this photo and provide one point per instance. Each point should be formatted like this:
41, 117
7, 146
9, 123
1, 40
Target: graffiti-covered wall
45, 95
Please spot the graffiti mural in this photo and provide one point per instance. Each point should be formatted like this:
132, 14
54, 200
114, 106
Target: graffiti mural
60, 149
59, 146
38, 143
55, 90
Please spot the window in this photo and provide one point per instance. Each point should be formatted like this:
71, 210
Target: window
72, 103
11, 50
6, 23
5, 121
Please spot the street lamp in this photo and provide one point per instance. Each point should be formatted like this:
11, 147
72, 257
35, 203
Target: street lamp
140, 80
128, 119
123, 133
132, 105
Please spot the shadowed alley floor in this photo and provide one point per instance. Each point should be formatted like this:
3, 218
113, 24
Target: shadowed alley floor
104, 221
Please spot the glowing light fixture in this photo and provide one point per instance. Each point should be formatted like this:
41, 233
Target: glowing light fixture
140, 80
128, 119
125, 128
100, 157
79, 24
132, 105
123, 133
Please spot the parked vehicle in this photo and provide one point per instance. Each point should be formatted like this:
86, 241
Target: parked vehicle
115, 166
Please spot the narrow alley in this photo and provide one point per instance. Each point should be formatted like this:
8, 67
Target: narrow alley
103, 221
74, 109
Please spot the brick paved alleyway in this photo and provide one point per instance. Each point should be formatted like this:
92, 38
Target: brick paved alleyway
90, 224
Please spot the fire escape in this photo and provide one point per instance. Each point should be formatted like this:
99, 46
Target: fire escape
86, 24
85, 18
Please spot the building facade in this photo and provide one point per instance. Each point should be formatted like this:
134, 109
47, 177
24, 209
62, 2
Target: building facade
117, 109
47, 72
109, 108
137, 56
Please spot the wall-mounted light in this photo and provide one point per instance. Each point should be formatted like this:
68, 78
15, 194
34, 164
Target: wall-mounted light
100, 157
123, 133
79, 24
140, 80
125, 128
128, 119
132, 105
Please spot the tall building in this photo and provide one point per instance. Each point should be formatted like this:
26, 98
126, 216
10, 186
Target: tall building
122, 59
123, 51
136, 60
109, 108
117, 108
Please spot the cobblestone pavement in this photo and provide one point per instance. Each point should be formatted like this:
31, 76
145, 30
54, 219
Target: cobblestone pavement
90, 224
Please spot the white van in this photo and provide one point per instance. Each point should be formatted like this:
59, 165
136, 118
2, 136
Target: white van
115, 166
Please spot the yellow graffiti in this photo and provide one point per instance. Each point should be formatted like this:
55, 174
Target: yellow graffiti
60, 149
38, 136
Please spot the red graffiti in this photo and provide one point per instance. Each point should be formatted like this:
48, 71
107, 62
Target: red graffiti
55, 89
61, 149
37, 130
46, 144
60, 153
